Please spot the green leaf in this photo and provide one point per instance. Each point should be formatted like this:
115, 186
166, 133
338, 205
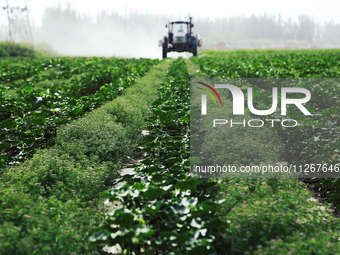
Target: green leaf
334, 197
5, 145
27, 88
77, 111
189, 184
153, 193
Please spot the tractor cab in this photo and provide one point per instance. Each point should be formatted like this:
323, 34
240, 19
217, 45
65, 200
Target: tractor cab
180, 38
179, 32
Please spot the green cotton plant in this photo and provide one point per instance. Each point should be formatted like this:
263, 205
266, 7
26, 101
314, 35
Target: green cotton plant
30, 119
98, 134
128, 115
52, 172
302, 244
45, 225
237, 145
164, 210
316, 140
67, 186
265, 215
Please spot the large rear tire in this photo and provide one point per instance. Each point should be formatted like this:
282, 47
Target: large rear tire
194, 48
164, 50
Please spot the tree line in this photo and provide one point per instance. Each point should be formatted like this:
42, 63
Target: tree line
64, 26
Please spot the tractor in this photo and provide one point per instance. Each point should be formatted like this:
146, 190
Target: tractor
180, 38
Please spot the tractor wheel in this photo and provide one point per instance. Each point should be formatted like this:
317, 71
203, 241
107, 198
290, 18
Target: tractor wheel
194, 48
164, 50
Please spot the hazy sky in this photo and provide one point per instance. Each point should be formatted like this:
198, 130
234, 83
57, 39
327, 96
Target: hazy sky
321, 10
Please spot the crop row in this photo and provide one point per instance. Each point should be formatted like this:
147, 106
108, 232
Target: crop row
273, 63
49, 204
317, 138
57, 69
12, 71
163, 208
95, 73
30, 120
